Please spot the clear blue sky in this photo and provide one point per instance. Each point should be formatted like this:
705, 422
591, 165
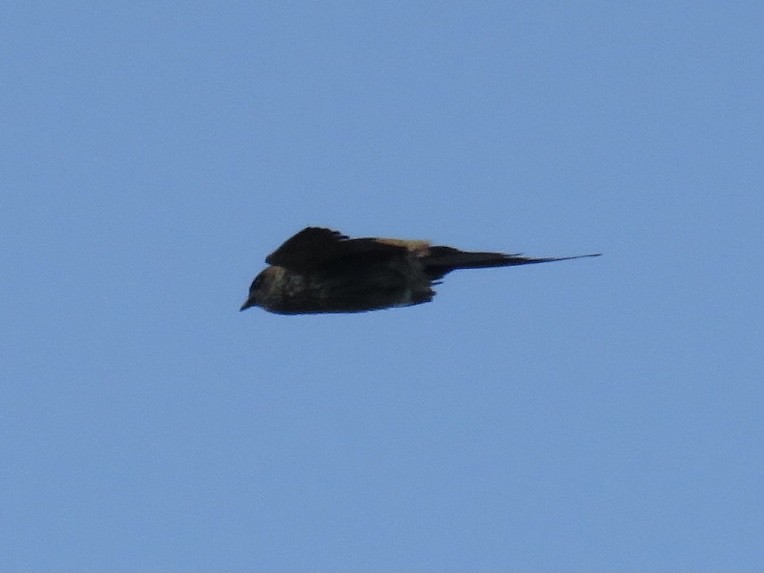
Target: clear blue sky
603, 414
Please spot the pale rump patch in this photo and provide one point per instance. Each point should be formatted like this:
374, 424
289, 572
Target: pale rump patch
417, 247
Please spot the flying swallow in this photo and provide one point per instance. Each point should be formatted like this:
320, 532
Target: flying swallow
320, 270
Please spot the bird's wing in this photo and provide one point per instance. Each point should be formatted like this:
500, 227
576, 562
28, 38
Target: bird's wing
313, 247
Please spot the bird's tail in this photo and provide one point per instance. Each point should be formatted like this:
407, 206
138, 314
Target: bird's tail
442, 260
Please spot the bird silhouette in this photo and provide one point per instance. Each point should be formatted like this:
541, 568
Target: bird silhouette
323, 271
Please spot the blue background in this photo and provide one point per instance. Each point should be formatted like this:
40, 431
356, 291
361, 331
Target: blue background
598, 414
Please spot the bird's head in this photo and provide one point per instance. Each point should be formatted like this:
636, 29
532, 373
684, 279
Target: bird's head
261, 288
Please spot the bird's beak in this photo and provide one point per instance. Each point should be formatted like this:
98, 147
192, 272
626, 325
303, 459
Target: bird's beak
249, 302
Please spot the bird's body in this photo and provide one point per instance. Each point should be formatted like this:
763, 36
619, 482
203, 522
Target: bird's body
323, 271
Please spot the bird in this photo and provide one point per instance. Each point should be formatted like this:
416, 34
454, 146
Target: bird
320, 270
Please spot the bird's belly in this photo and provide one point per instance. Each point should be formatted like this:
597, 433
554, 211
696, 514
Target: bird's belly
406, 298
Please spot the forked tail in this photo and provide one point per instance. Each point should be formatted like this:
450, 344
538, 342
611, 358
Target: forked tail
443, 260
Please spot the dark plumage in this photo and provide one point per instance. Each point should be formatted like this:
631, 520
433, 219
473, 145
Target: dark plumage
320, 270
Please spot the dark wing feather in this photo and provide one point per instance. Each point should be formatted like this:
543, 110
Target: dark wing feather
314, 247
